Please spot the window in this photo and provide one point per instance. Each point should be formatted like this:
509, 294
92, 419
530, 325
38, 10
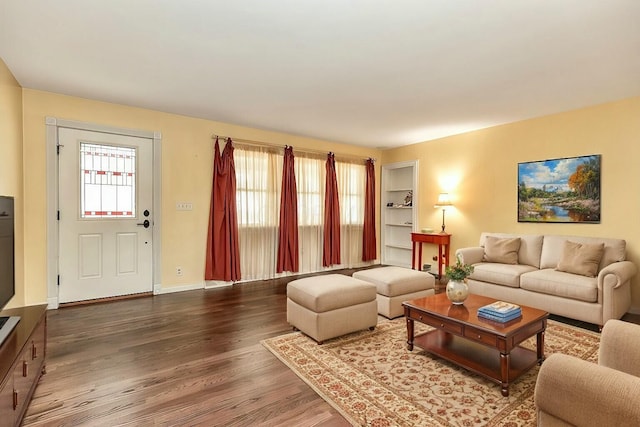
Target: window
258, 188
107, 181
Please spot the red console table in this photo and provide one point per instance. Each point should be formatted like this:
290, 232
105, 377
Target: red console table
441, 239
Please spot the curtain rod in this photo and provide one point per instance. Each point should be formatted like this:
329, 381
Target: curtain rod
302, 150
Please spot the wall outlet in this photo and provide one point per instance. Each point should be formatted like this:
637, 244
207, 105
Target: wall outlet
178, 271
184, 206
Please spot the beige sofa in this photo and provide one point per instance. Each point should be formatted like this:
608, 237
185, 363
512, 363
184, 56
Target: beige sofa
573, 392
553, 273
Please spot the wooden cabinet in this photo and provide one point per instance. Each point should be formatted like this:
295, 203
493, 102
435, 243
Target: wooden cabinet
22, 362
399, 218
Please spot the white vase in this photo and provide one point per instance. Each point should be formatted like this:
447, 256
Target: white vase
457, 291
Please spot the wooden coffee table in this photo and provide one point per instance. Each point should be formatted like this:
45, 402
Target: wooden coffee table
482, 346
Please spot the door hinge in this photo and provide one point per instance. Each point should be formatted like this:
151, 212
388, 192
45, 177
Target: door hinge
58, 215
58, 148
58, 280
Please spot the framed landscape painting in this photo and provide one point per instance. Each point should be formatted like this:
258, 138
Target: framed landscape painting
560, 190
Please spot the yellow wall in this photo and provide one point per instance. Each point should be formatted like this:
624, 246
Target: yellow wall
11, 165
187, 151
479, 169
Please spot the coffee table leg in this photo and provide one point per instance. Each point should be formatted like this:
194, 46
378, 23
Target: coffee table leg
409, 334
505, 361
540, 346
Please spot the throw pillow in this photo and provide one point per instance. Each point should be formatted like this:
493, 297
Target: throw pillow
501, 250
581, 258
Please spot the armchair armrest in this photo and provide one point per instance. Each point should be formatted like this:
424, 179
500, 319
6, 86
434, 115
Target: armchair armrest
472, 255
582, 393
620, 347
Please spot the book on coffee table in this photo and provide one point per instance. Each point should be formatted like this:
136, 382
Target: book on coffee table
501, 309
501, 319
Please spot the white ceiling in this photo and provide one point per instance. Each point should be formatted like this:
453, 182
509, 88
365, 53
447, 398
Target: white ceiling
379, 73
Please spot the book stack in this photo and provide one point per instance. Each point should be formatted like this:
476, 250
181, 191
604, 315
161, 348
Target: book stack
500, 311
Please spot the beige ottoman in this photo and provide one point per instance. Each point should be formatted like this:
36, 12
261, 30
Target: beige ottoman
331, 305
396, 285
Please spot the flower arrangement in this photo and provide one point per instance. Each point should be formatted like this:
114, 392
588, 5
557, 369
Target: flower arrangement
459, 271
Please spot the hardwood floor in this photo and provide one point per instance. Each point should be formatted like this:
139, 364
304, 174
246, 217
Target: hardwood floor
189, 358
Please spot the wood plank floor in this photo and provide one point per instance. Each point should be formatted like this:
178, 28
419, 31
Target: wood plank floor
189, 358
182, 359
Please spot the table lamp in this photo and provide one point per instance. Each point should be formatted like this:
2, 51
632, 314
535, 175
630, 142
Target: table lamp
443, 202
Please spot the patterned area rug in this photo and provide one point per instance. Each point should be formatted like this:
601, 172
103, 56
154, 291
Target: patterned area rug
373, 380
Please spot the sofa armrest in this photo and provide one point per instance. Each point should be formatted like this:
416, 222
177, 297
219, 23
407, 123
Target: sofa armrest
614, 289
620, 347
622, 271
582, 393
472, 255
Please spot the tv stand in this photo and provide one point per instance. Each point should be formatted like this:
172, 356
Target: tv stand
22, 361
7, 323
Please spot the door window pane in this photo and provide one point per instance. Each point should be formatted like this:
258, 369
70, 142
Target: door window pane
107, 181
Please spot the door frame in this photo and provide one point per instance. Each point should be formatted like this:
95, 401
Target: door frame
52, 125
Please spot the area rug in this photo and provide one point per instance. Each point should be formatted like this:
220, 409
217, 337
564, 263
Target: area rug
373, 380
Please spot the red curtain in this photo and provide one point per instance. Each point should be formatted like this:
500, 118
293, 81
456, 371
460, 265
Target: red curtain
223, 252
288, 231
331, 248
369, 231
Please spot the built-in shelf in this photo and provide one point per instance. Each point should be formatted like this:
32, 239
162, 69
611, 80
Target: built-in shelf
400, 225
399, 220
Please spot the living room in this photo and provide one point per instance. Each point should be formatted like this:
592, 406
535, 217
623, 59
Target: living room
478, 168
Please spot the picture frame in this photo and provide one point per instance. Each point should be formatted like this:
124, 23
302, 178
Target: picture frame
563, 190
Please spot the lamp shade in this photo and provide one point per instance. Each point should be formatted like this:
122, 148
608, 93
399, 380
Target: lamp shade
443, 201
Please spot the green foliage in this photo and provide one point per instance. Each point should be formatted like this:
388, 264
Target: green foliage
459, 271
585, 180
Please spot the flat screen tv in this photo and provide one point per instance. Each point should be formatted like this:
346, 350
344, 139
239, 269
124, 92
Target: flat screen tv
7, 263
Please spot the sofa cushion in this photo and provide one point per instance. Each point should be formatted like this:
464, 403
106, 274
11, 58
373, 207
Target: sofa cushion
501, 250
530, 247
581, 258
500, 274
561, 284
553, 246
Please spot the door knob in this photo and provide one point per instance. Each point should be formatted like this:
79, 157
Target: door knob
145, 224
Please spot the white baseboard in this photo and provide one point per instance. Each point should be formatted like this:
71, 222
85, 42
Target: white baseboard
211, 284
158, 289
634, 310
52, 303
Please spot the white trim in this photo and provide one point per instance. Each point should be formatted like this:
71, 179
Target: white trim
52, 303
52, 125
52, 209
157, 211
182, 288
634, 310
212, 284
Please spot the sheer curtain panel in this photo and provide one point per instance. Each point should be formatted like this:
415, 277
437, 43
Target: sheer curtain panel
350, 179
260, 172
259, 175
310, 177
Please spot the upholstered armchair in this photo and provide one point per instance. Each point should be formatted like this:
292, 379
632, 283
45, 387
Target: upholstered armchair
574, 392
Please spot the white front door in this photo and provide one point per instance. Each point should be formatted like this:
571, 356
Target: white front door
106, 219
